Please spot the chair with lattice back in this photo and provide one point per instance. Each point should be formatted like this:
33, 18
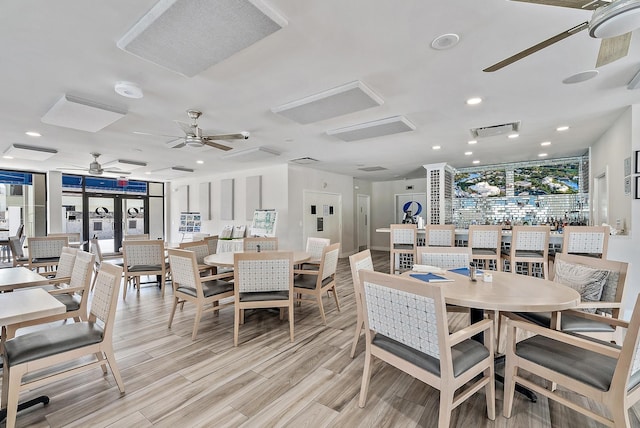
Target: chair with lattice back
485, 242
44, 251
440, 235
529, 246
455, 364
589, 241
599, 371
262, 280
403, 244
260, 244
143, 258
359, 261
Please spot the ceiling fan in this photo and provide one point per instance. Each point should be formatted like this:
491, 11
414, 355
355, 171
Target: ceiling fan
96, 169
612, 21
193, 135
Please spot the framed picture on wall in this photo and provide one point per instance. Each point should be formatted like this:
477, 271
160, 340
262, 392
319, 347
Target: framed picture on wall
627, 185
627, 166
637, 161
637, 195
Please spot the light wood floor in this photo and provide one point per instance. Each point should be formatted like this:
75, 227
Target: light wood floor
172, 381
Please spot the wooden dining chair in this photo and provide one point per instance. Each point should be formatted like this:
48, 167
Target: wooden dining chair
86, 344
190, 286
17, 254
406, 326
315, 283
44, 251
314, 247
143, 258
358, 261
262, 280
137, 237
599, 371
260, 244
212, 243
529, 246
402, 245
485, 242
440, 235
72, 291
201, 250
445, 257
590, 241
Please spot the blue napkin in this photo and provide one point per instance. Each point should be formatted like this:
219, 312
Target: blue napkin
464, 271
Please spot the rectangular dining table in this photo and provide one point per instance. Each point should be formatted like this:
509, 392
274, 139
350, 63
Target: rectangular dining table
26, 305
20, 277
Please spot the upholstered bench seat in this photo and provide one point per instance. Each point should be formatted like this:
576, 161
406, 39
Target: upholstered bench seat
209, 288
569, 323
51, 341
257, 296
465, 354
309, 281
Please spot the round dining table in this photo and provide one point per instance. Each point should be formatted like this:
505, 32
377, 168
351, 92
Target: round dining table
226, 259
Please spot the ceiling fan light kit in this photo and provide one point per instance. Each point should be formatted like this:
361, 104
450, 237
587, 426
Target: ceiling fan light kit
581, 77
615, 19
128, 90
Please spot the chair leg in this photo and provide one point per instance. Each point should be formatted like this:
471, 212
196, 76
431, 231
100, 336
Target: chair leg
14, 379
509, 386
446, 406
335, 297
356, 337
236, 325
124, 288
319, 299
290, 310
173, 310
490, 393
620, 415
196, 323
111, 359
366, 376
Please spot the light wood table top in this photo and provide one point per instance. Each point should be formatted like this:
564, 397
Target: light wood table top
26, 305
226, 259
508, 292
20, 277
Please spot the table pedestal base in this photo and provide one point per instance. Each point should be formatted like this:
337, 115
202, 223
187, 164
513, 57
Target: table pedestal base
42, 399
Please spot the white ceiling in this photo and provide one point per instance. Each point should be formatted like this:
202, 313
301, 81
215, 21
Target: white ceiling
52, 48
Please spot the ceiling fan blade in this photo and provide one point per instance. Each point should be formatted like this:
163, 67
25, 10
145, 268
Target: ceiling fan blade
155, 135
574, 4
237, 136
613, 48
536, 48
187, 128
206, 141
116, 171
174, 144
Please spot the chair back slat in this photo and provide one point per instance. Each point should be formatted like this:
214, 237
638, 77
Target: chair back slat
315, 246
440, 235
183, 272
138, 252
200, 248
65, 265
329, 261
530, 238
591, 240
212, 243
265, 244
46, 247
404, 234
82, 269
105, 294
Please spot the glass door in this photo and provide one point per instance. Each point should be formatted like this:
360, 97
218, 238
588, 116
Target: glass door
133, 210
100, 217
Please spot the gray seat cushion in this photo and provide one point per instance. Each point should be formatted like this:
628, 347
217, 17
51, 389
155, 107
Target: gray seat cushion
45, 260
258, 296
585, 366
51, 341
569, 323
309, 281
71, 302
403, 246
209, 288
465, 354
144, 268
484, 251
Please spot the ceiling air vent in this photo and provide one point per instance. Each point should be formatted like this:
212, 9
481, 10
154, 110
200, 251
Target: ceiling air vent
373, 168
304, 161
492, 131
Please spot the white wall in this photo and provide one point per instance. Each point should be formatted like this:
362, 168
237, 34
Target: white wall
619, 142
608, 155
301, 179
274, 195
383, 206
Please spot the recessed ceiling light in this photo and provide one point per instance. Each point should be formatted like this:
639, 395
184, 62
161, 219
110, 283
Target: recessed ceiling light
436, 147
445, 41
513, 136
473, 142
562, 128
474, 101
200, 162
148, 172
542, 155
33, 134
475, 162
7, 157
580, 77
468, 153
545, 143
